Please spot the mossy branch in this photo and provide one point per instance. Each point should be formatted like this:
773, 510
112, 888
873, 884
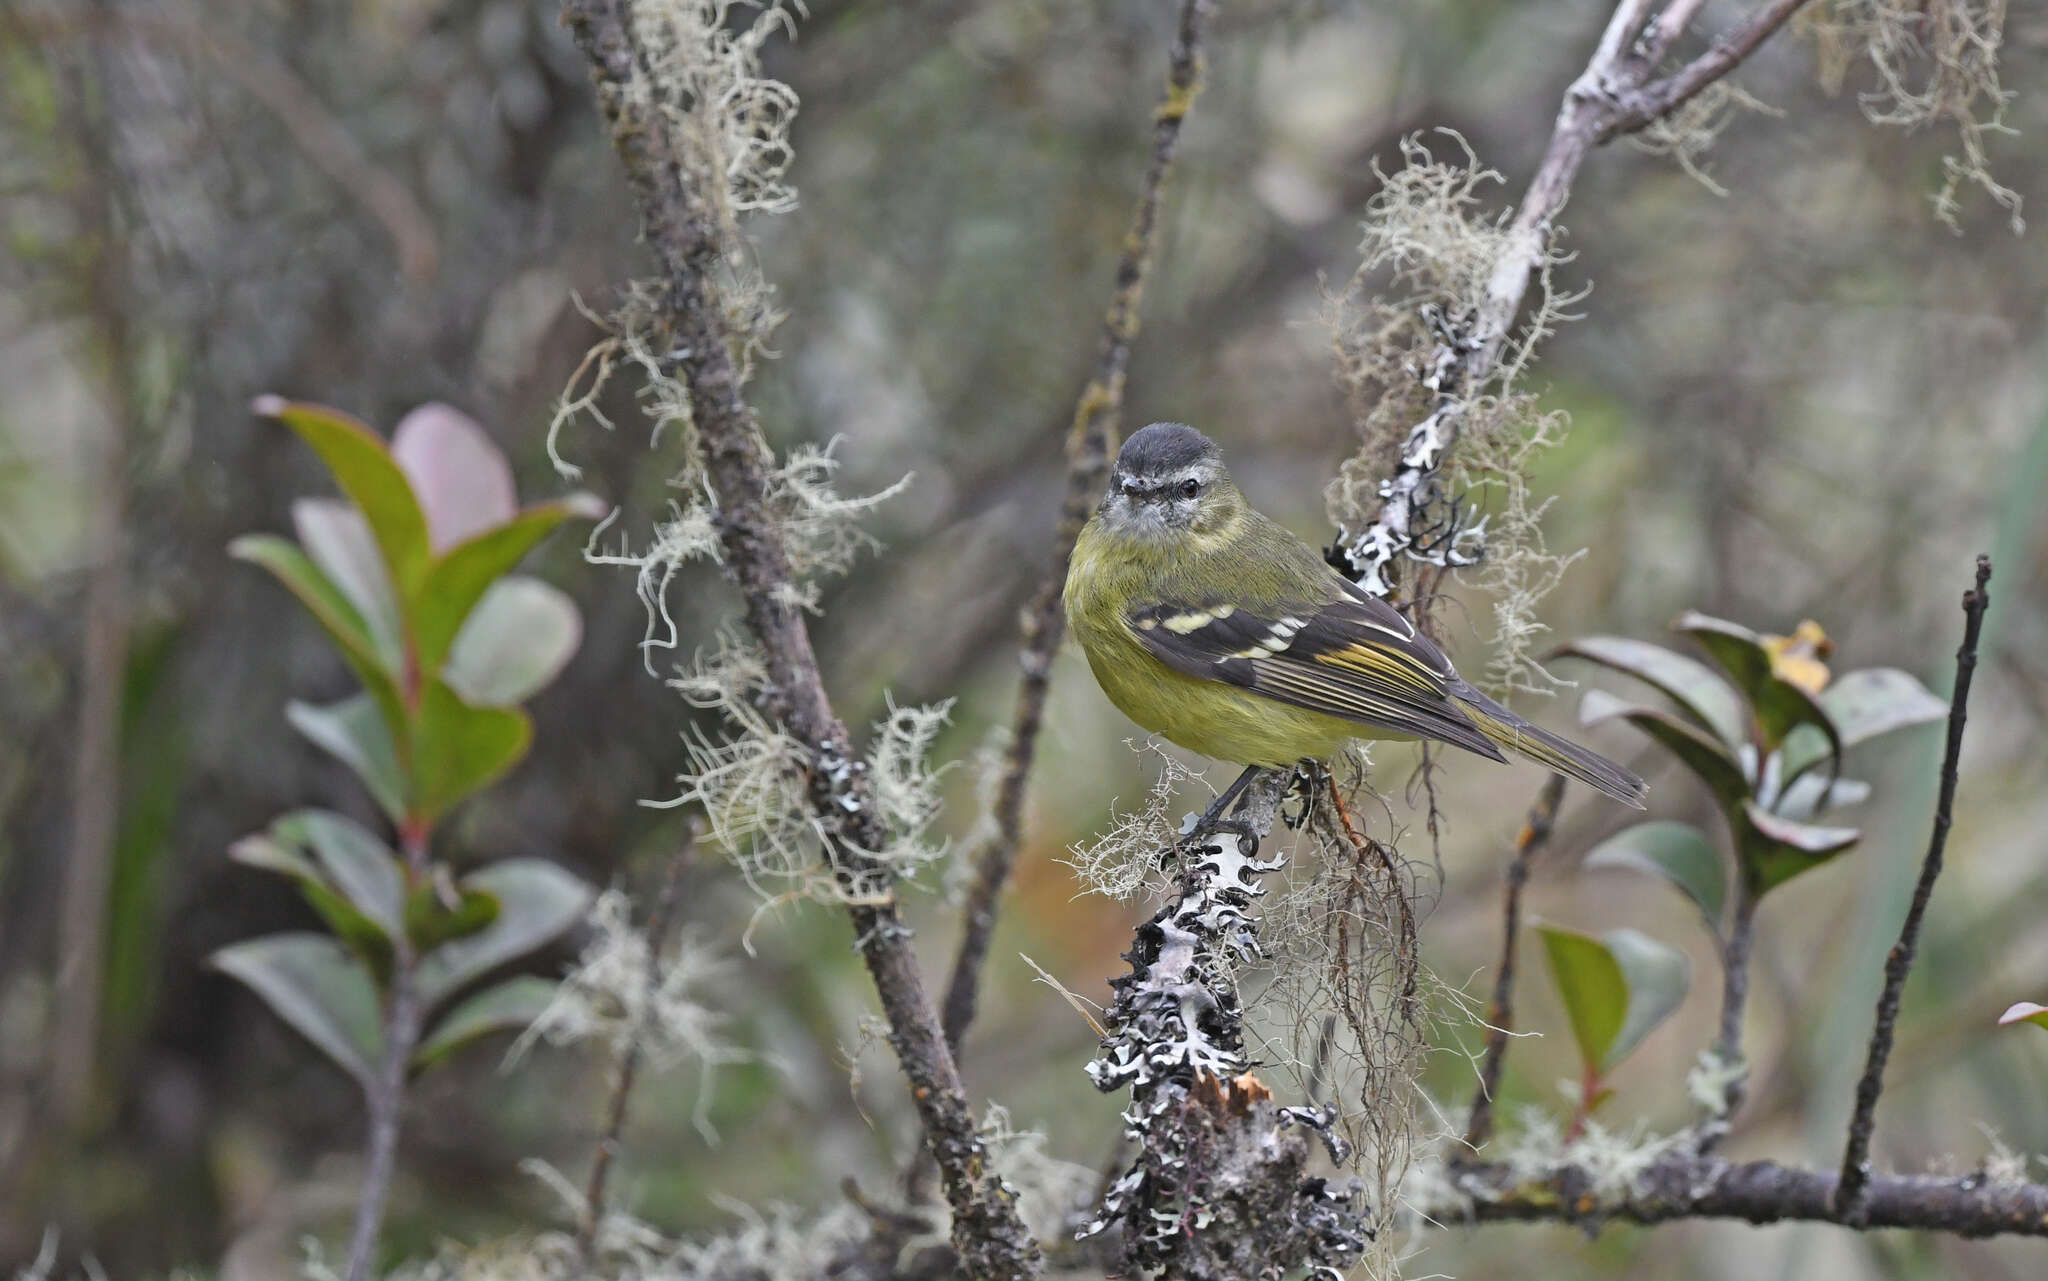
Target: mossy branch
688, 228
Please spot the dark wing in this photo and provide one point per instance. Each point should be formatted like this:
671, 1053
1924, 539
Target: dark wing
1354, 658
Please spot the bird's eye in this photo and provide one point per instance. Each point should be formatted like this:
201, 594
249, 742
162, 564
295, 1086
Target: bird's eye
1190, 487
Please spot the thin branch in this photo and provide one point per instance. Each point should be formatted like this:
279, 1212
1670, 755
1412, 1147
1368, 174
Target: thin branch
660, 925
1662, 35
1850, 1193
386, 1106
1500, 1013
1686, 1185
1097, 418
1638, 106
385, 1095
1735, 955
688, 243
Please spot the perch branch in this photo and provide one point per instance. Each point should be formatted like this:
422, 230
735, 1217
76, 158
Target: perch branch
687, 241
1898, 963
1500, 1014
1097, 418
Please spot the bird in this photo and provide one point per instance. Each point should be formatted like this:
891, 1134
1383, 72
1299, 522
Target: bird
1215, 627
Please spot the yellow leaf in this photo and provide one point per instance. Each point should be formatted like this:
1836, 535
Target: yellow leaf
1798, 659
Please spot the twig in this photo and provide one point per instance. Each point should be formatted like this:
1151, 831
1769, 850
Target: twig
1500, 1012
660, 924
1734, 999
1850, 1192
386, 1105
1097, 418
385, 1096
688, 242
1637, 107
1686, 1185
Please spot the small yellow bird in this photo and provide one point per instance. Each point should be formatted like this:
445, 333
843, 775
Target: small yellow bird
1208, 623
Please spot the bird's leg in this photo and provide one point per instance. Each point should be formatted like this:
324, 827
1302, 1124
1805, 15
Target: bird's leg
1230, 794
1309, 777
1213, 819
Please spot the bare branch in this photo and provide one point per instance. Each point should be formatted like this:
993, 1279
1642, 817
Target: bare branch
1500, 1015
1639, 105
1690, 1186
687, 238
1097, 418
384, 1095
1662, 36
1850, 1193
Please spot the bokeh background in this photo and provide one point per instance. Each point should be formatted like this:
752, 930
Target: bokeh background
1804, 398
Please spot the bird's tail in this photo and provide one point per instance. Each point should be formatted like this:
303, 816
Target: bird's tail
1566, 757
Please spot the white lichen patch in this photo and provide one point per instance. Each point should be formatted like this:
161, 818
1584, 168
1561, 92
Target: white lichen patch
608, 996
754, 784
1687, 134
1050, 1192
1931, 62
821, 529
778, 1243
903, 783
1125, 859
1440, 476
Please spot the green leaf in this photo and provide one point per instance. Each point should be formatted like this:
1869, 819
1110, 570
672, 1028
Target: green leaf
2025, 1012
357, 864
1658, 977
458, 750
518, 639
1778, 704
1774, 849
312, 983
537, 901
1877, 700
330, 608
1812, 794
1595, 990
1678, 852
1704, 697
367, 473
286, 849
1704, 756
338, 539
1804, 747
459, 579
354, 732
264, 851
429, 922
509, 1006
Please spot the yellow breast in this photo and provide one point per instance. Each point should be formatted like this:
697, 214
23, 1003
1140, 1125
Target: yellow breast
1210, 717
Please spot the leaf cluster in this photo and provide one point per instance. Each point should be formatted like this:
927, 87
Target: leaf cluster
409, 574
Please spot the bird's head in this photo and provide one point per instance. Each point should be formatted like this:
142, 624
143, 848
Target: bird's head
1168, 480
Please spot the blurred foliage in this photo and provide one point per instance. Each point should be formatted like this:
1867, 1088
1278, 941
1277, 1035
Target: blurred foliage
1806, 399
